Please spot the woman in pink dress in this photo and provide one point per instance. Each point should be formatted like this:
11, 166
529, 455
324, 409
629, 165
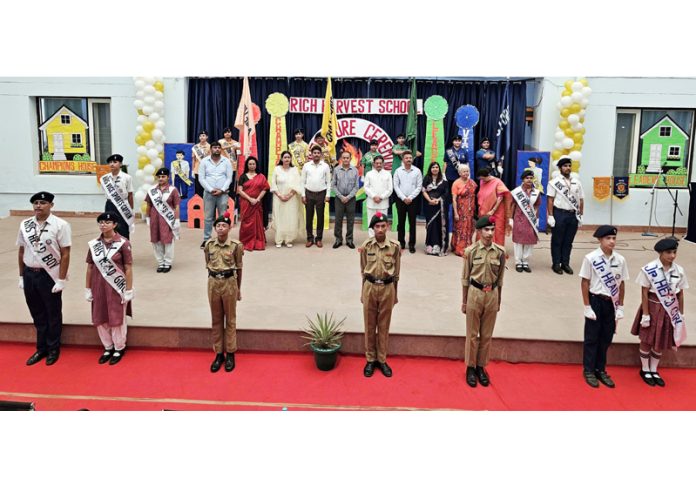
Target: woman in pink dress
464, 210
524, 234
494, 200
109, 287
252, 187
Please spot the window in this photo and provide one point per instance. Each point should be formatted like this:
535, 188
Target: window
74, 134
650, 142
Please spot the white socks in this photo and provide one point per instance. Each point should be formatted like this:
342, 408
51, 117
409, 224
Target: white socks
654, 360
645, 361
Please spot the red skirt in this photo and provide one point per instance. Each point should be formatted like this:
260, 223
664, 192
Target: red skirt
660, 334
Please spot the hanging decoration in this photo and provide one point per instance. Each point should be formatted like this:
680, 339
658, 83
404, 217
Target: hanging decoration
435, 110
570, 133
467, 117
277, 106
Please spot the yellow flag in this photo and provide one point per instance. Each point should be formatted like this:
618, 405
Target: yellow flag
329, 123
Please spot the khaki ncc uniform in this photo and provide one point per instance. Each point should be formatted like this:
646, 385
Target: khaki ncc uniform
483, 275
223, 262
379, 265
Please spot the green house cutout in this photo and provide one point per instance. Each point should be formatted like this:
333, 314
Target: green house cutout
663, 145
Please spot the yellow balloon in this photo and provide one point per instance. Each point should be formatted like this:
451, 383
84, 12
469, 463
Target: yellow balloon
148, 126
566, 92
584, 82
146, 136
142, 160
569, 85
563, 124
556, 154
577, 137
575, 108
139, 140
159, 86
569, 132
577, 147
565, 112
582, 131
143, 207
582, 120
161, 155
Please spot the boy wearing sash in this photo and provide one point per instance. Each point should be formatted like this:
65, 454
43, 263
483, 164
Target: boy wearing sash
223, 260
454, 156
163, 218
603, 274
299, 150
44, 256
199, 151
565, 207
524, 221
660, 319
109, 287
118, 187
180, 174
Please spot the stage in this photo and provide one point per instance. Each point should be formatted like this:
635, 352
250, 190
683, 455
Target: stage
540, 320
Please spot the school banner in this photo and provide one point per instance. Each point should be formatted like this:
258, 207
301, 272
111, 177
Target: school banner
354, 106
620, 187
537, 162
602, 188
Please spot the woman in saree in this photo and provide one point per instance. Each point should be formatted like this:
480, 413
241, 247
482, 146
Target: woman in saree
494, 200
251, 189
464, 210
435, 192
287, 218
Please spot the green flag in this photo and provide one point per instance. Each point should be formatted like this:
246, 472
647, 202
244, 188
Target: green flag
412, 121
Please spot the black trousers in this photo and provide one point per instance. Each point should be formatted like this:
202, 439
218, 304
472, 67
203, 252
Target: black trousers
598, 334
562, 235
315, 203
402, 210
341, 209
197, 187
122, 228
46, 309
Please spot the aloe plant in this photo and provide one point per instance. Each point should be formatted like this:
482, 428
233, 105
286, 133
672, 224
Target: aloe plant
324, 332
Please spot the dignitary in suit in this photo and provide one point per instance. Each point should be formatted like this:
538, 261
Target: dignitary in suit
344, 183
163, 218
44, 242
408, 183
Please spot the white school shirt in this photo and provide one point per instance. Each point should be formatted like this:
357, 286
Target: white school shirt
575, 189
54, 231
674, 275
124, 184
617, 265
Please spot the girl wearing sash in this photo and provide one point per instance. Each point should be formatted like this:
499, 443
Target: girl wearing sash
464, 209
199, 151
110, 266
524, 234
494, 200
252, 187
435, 191
119, 199
286, 187
163, 218
653, 323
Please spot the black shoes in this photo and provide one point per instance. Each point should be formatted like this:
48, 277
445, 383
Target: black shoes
203, 245
386, 370
117, 356
160, 269
518, 268
647, 378
658, 380
482, 376
217, 363
526, 268
52, 357
36, 357
567, 268
557, 269
605, 379
369, 368
229, 362
350, 244
337, 244
471, 376
106, 356
166, 269
411, 249
590, 378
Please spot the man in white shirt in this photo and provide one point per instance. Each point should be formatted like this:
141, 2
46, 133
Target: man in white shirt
124, 186
603, 274
316, 190
408, 182
215, 176
565, 207
44, 256
378, 187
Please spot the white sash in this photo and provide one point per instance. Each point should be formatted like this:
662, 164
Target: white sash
526, 205
160, 203
564, 190
103, 260
47, 252
610, 281
109, 186
668, 300
200, 153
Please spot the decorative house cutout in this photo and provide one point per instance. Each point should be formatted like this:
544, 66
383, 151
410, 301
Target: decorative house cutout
196, 215
664, 145
66, 134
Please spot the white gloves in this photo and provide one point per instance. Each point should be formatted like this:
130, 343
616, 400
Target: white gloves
127, 296
177, 223
619, 313
551, 221
500, 168
147, 221
589, 313
510, 222
58, 287
21, 282
645, 321
88, 294
579, 221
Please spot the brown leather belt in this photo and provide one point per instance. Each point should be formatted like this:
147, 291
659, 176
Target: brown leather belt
484, 288
222, 274
378, 281
36, 270
601, 297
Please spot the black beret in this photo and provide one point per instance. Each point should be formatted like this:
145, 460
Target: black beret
605, 230
202, 132
298, 130
401, 135
162, 171
562, 161
47, 196
457, 138
526, 173
224, 218
485, 138
535, 160
115, 157
666, 244
378, 217
107, 216
485, 221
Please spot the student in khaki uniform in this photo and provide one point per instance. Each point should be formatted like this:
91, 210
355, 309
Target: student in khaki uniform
223, 259
380, 262
482, 289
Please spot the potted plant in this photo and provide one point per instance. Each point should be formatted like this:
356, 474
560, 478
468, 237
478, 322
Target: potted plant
324, 334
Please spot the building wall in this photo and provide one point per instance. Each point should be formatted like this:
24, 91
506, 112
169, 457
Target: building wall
19, 148
598, 151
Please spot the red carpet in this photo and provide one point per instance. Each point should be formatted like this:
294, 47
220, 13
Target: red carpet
180, 380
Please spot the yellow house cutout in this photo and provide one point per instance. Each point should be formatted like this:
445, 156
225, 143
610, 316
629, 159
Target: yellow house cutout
66, 133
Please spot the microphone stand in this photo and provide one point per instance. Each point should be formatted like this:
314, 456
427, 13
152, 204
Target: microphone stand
652, 201
674, 198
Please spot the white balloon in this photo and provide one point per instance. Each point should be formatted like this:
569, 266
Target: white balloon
139, 129
139, 174
584, 102
159, 105
567, 143
150, 144
154, 116
157, 163
159, 95
141, 150
575, 155
573, 119
139, 83
156, 133
149, 179
151, 100
146, 109
581, 113
558, 106
149, 169
558, 145
566, 101
149, 79
152, 153
159, 147
149, 89
163, 139
559, 135
576, 97
586, 91
160, 124
138, 104
142, 118
577, 86
578, 127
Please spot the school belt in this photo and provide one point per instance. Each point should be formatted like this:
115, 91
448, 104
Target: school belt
601, 297
564, 210
377, 281
484, 288
36, 270
222, 274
